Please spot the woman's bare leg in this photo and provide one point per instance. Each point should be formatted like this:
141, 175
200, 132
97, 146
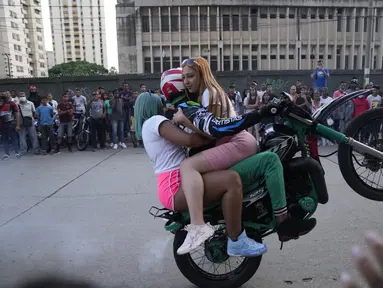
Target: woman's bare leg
225, 185
193, 186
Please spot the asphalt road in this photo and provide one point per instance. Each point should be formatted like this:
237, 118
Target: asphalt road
85, 215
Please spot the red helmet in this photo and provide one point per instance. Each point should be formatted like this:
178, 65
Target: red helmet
172, 83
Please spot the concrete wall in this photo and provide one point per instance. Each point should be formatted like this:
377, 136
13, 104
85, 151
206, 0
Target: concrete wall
281, 81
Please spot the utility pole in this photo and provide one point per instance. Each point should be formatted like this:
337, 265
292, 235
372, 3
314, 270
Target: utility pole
9, 63
369, 42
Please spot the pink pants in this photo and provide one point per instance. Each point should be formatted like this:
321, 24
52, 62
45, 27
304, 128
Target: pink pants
231, 150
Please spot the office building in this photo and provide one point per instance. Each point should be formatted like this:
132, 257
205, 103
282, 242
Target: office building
246, 35
78, 31
22, 45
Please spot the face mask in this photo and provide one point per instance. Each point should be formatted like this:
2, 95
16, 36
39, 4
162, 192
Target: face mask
23, 99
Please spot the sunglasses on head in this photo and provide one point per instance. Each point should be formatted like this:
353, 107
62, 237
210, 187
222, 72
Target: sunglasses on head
189, 62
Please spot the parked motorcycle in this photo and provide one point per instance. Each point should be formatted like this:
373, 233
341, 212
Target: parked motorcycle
294, 139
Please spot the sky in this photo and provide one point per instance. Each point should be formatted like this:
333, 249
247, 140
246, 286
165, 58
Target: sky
110, 23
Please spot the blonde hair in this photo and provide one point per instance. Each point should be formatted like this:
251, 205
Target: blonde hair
208, 82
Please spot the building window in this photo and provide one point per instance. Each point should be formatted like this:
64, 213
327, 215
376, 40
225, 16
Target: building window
16, 36
263, 57
226, 63
254, 19
236, 63
303, 57
226, 22
42, 65
176, 62
39, 29
291, 56
165, 23
273, 16
329, 57
157, 65
376, 24
166, 63
193, 23
355, 62
282, 57
19, 58
348, 23
39, 38
213, 63
282, 16
365, 25
235, 20
263, 16
321, 57
313, 16
175, 26
43, 74
19, 69
356, 24
273, 57
203, 23
321, 16
155, 23
346, 62
245, 22
291, 16
339, 20
254, 63
245, 63
213, 22
13, 14
14, 25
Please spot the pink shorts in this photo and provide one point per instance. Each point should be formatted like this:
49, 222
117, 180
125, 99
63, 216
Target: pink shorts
168, 185
231, 150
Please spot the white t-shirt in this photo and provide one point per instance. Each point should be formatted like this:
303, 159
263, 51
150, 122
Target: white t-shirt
206, 101
374, 101
165, 155
326, 100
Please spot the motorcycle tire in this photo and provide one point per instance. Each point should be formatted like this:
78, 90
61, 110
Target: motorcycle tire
82, 146
202, 279
345, 156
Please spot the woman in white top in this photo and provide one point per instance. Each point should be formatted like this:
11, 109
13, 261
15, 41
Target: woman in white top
163, 143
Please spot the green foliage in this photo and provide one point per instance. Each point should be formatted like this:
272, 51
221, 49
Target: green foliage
77, 68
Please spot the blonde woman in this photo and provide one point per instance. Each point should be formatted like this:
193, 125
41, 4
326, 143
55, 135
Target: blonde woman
199, 80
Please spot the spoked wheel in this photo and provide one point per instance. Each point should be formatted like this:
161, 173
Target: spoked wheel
363, 173
211, 266
82, 140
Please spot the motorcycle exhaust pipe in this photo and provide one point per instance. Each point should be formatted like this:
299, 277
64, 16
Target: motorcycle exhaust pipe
364, 149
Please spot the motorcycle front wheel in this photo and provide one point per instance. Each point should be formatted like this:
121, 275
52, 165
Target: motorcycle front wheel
359, 130
220, 272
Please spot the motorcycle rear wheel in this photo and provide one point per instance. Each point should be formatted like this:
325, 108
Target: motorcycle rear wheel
202, 279
345, 156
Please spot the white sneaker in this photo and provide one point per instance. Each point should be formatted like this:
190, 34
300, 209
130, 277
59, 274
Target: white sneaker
122, 145
111, 145
197, 234
115, 146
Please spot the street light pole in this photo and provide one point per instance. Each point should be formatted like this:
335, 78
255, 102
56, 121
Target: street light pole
9, 63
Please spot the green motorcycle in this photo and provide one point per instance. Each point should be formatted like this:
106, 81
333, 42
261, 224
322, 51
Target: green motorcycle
295, 140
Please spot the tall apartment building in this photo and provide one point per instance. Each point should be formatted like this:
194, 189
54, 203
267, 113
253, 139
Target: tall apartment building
78, 31
246, 35
22, 45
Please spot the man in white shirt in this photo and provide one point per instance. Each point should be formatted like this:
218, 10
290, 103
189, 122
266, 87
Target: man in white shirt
27, 113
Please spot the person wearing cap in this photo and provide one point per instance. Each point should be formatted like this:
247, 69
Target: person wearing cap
354, 84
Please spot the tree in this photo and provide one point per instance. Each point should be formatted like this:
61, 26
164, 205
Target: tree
113, 71
77, 68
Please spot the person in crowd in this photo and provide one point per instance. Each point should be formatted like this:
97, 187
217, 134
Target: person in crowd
34, 96
341, 91
27, 114
126, 95
316, 102
14, 96
79, 102
293, 93
338, 114
375, 101
103, 95
251, 103
132, 123
325, 98
361, 105
265, 100
9, 124
65, 112
97, 119
354, 84
345, 112
117, 120
235, 97
303, 100
269, 90
108, 114
142, 88
320, 75
298, 86
52, 102
45, 117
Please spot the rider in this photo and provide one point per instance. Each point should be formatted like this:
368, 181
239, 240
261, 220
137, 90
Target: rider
269, 165
163, 143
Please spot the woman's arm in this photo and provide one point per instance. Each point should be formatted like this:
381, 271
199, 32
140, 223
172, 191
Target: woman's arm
175, 135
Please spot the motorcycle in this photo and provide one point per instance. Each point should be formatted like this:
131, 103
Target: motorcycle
294, 139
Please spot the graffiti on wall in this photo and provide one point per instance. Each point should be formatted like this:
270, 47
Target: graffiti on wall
279, 85
85, 91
